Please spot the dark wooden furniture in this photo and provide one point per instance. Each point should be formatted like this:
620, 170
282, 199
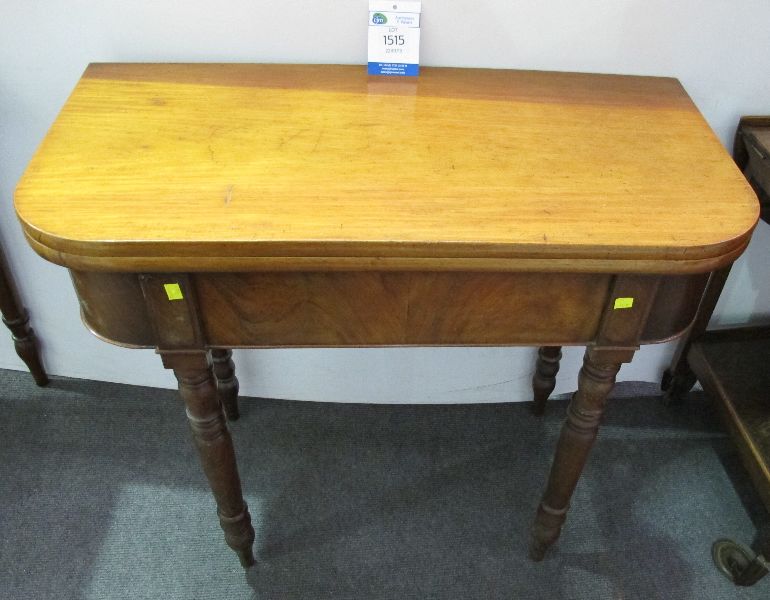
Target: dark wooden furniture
741, 384
751, 151
16, 318
731, 364
205, 207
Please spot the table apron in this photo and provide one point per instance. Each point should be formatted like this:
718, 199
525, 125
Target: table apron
333, 309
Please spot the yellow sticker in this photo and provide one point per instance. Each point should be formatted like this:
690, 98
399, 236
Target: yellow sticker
173, 291
623, 303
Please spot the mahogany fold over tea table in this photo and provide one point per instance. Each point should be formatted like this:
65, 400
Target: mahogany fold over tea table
201, 208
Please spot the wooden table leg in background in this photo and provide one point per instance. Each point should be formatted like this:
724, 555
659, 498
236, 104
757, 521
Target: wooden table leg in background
16, 319
227, 382
679, 377
544, 379
198, 389
596, 379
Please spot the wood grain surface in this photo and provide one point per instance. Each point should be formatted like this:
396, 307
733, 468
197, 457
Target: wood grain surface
225, 167
369, 309
372, 309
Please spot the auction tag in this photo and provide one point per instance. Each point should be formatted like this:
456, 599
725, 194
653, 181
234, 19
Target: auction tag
394, 37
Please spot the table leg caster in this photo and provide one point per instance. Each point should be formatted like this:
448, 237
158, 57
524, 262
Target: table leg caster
738, 563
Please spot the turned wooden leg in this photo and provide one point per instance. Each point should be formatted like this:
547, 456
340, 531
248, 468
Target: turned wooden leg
679, 378
544, 379
578, 433
16, 319
204, 412
26, 346
227, 382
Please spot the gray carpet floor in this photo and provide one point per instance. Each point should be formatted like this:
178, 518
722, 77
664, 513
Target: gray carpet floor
101, 497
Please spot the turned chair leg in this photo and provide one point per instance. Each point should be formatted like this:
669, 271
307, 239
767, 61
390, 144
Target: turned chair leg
16, 319
209, 428
544, 379
227, 382
578, 433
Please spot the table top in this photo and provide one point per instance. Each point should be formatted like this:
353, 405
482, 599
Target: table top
239, 166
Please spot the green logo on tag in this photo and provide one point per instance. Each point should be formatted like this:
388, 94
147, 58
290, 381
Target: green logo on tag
379, 19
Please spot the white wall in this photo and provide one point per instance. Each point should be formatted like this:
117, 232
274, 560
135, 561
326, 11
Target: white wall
720, 51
